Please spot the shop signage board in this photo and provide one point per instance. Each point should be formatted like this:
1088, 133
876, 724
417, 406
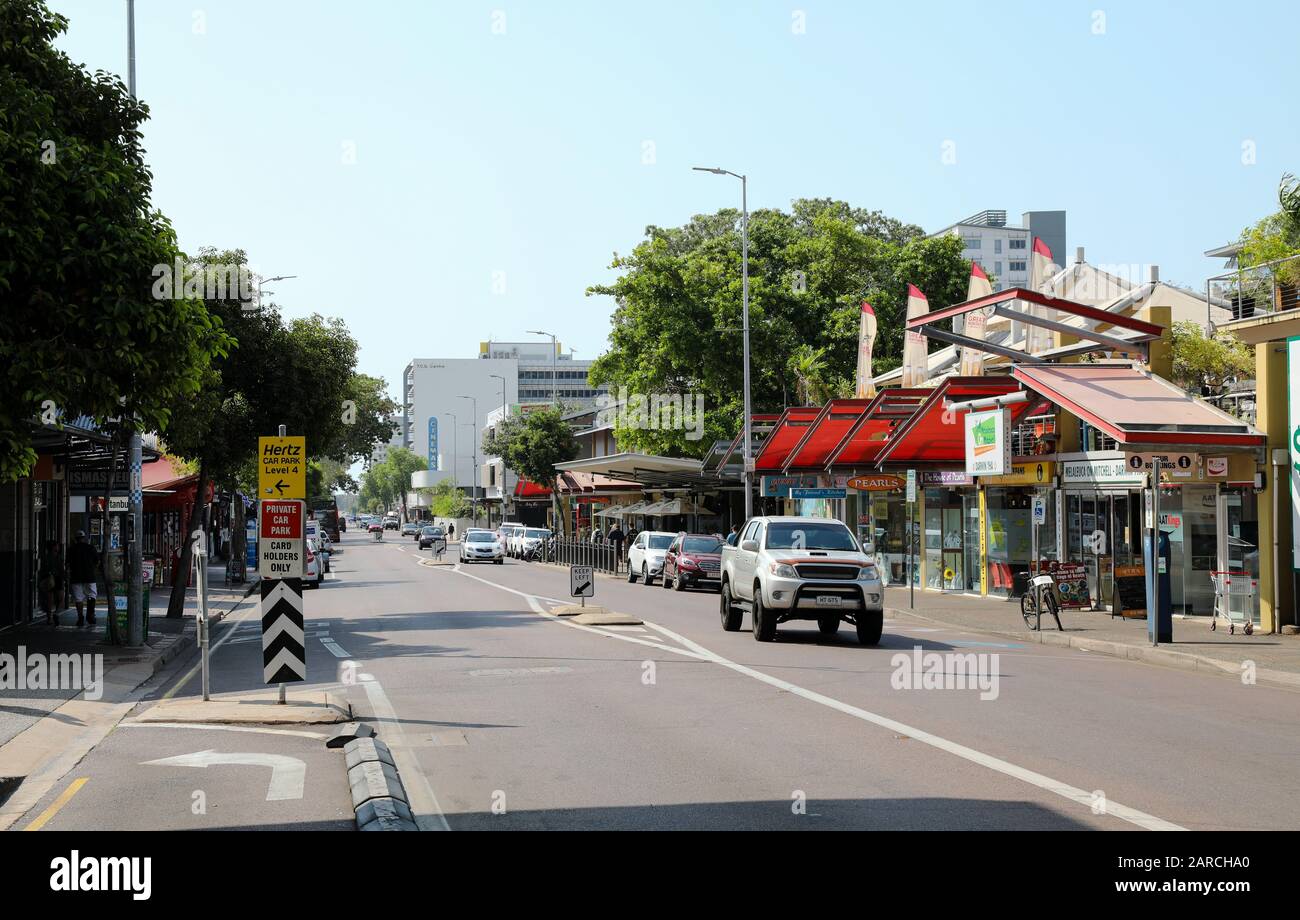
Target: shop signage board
282, 467
817, 493
1293, 442
433, 442
92, 481
988, 442
280, 547
780, 486
1107, 470
1071, 583
911, 485
1024, 472
945, 478
881, 482
1130, 591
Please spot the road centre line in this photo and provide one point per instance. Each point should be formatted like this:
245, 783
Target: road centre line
1046, 783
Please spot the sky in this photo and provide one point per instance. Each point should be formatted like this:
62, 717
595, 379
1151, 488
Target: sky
442, 173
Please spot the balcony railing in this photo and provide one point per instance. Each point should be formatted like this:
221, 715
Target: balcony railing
1261, 290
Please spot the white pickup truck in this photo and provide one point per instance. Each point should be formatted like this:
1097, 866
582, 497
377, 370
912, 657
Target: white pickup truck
800, 568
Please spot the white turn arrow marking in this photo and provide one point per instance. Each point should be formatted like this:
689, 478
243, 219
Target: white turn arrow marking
287, 773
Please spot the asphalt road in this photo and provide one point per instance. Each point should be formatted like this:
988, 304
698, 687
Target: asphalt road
503, 716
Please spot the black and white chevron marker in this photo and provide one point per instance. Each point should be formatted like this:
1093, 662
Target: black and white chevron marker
284, 651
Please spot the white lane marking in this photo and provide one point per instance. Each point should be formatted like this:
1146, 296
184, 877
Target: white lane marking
515, 672
1074, 794
334, 648
288, 774
315, 736
424, 803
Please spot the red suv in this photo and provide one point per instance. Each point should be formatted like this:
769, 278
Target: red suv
693, 560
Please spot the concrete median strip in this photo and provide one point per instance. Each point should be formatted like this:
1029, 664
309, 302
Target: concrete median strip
378, 798
257, 708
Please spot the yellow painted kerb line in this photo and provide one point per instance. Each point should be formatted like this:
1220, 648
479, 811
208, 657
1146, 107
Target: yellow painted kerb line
58, 803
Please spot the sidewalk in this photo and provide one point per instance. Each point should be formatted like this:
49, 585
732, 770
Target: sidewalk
1195, 647
167, 639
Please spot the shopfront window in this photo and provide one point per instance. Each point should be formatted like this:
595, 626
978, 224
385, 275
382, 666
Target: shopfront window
1009, 516
1187, 516
945, 558
889, 526
1241, 552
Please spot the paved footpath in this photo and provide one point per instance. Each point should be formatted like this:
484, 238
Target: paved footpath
1274, 658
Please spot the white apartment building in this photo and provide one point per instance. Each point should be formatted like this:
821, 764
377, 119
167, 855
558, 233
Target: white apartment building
439, 424
1002, 250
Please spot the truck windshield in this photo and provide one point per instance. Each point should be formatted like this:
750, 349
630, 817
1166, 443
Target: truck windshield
810, 536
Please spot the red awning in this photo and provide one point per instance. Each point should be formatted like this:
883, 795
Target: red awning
934, 434
1134, 406
865, 438
526, 488
760, 425
822, 437
786, 433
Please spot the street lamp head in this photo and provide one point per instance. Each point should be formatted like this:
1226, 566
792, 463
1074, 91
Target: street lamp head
716, 170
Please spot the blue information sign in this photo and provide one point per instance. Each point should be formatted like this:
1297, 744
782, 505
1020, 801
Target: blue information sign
433, 442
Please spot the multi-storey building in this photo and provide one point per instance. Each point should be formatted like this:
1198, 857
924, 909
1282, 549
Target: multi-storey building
1002, 250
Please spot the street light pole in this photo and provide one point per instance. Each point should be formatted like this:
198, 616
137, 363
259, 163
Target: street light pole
744, 293
137, 610
503, 461
474, 500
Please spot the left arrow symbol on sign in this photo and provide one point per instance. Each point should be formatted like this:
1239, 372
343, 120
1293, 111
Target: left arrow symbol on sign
288, 774
280, 486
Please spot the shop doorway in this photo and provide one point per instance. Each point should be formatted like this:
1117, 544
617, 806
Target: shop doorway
1102, 530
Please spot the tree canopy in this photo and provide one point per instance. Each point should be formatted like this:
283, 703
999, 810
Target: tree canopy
532, 444
1209, 362
677, 325
83, 333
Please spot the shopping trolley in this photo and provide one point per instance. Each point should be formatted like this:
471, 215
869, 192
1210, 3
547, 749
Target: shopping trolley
1234, 601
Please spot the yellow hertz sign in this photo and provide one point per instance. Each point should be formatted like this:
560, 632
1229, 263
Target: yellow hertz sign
282, 467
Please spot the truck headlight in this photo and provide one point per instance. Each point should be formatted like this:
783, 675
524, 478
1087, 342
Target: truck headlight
868, 573
781, 570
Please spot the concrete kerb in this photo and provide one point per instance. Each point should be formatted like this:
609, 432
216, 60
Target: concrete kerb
1187, 661
379, 799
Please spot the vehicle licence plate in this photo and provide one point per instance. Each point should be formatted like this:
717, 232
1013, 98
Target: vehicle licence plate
829, 600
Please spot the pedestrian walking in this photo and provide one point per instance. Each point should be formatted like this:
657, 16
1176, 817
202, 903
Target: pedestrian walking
731, 537
51, 582
82, 560
616, 537
451, 531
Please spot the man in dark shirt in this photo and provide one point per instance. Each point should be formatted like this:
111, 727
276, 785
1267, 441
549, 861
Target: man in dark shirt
82, 562
616, 536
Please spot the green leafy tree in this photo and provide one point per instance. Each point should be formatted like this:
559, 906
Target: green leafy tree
532, 444
448, 501
83, 332
1276, 236
1208, 363
676, 329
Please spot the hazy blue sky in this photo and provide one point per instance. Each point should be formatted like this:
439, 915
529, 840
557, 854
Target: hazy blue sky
524, 152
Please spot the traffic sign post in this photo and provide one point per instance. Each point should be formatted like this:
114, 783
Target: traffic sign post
282, 467
284, 651
582, 582
280, 546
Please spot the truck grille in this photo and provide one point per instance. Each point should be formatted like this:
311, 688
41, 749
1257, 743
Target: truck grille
846, 572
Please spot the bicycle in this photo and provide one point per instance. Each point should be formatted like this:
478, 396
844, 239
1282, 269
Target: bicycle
1040, 586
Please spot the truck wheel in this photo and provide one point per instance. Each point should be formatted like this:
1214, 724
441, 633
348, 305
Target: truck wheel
731, 615
871, 623
764, 620
829, 624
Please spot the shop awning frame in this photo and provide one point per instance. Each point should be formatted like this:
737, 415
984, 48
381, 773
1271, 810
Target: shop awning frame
956, 390
825, 434
890, 408
787, 431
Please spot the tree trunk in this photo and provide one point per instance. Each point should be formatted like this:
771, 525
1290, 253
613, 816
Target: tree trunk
176, 604
114, 635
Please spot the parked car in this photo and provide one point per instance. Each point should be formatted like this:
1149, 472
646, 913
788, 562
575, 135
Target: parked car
411, 529
504, 531
645, 557
694, 560
312, 574
800, 568
527, 540
431, 535
481, 546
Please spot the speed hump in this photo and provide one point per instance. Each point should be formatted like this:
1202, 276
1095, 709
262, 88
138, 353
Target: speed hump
582, 581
